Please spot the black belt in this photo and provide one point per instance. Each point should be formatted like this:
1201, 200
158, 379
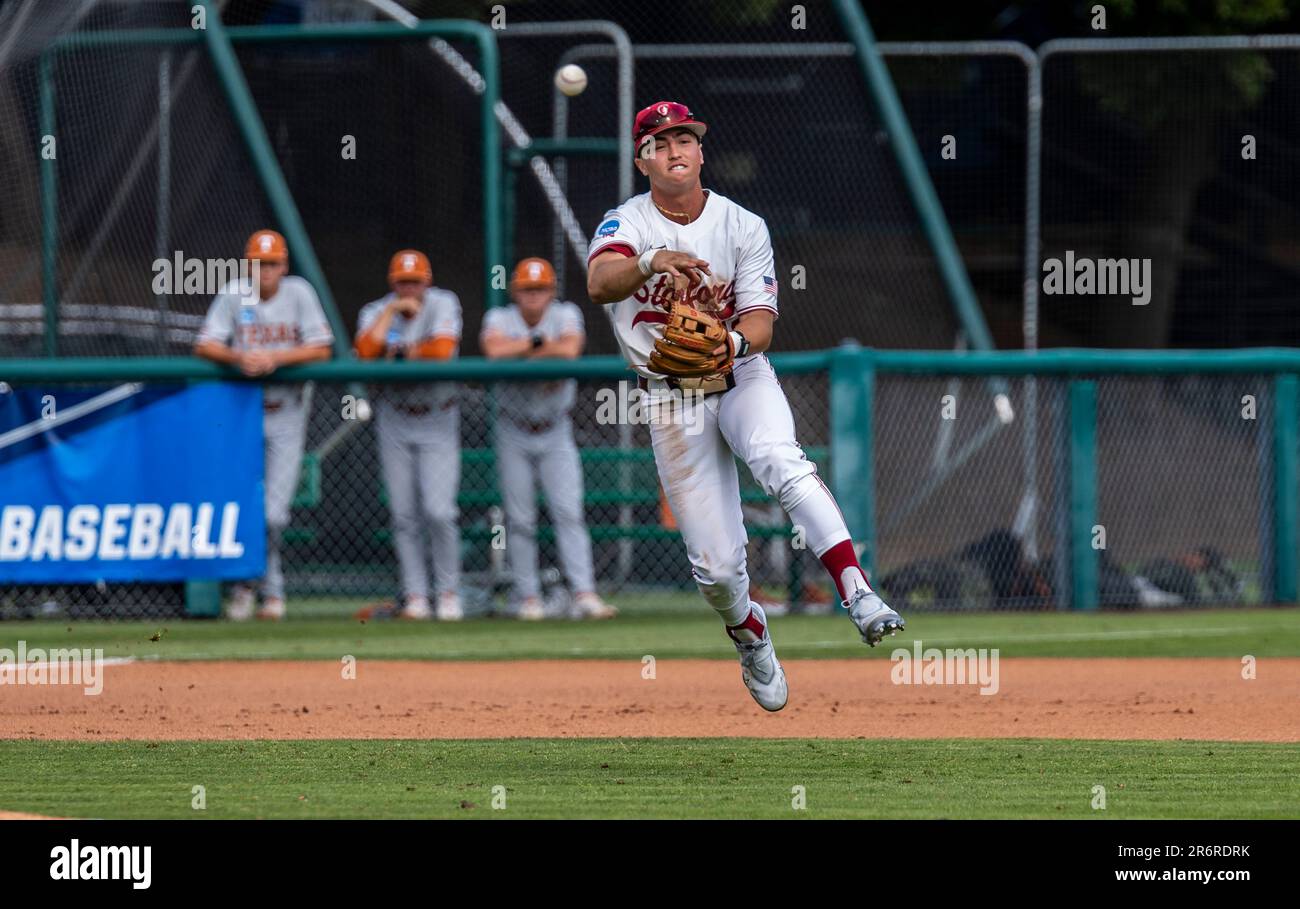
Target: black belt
535, 426
273, 406
413, 410
675, 383
420, 410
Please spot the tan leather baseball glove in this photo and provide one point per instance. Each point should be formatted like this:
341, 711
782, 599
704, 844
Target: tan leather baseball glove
686, 348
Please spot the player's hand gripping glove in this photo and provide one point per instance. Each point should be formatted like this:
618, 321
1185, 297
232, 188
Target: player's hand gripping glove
686, 348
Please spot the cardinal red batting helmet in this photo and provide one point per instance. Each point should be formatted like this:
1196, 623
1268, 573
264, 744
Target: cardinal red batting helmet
664, 115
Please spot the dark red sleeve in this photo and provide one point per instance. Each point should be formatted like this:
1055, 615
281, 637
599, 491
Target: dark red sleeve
613, 247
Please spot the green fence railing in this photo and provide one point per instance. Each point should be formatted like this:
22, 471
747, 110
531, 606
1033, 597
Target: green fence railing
853, 441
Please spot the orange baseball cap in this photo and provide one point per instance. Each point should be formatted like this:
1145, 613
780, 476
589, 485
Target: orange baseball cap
268, 246
410, 265
533, 272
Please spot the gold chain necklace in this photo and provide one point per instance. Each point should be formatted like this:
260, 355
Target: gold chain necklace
676, 214
672, 214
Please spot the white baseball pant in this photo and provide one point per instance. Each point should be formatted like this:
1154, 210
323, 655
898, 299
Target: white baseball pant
694, 441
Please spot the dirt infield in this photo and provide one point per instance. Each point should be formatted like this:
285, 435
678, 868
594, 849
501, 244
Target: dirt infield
1037, 698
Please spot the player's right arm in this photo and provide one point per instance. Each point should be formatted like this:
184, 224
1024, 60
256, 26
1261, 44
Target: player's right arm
613, 275
373, 339
214, 337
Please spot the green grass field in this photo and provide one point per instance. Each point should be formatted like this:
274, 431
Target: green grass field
661, 778
652, 778
668, 635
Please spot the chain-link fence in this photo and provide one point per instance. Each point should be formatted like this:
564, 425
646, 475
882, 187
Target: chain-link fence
976, 513
1181, 153
971, 510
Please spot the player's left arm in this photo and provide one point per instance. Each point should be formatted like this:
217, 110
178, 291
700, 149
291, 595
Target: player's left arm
565, 347
756, 289
314, 329
304, 353
571, 336
443, 341
756, 326
439, 347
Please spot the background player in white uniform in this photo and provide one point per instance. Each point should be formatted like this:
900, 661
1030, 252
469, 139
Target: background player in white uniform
682, 242
281, 325
534, 439
419, 430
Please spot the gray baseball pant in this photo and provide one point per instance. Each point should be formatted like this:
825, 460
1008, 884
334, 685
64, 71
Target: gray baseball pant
285, 434
420, 458
551, 457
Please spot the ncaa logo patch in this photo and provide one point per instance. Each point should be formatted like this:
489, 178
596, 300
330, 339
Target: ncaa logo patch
608, 229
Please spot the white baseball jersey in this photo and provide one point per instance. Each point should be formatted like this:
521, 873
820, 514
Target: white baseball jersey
536, 402
291, 318
439, 316
734, 241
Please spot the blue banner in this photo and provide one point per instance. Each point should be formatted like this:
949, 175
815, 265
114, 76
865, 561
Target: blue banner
131, 483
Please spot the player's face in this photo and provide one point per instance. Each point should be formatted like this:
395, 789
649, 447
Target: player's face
674, 165
268, 277
409, 288
532, 301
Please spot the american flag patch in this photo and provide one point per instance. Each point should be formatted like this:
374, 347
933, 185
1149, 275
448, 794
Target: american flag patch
769, 285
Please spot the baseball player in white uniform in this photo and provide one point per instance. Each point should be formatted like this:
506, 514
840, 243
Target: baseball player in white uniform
534, 439
677, 265
282, 324
419, 431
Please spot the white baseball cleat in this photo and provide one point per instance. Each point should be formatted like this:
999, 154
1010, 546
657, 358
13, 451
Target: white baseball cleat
449, 607
240, 606
591, 606
760, 669
872, 617
416, 609
530, 610
272, 609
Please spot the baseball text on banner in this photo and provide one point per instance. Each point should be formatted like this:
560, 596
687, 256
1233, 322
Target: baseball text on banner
131, 483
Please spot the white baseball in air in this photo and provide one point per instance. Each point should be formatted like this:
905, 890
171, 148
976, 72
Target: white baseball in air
571, 79
363, 410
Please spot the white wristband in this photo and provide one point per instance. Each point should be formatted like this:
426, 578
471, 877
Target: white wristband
646, 262
739, 346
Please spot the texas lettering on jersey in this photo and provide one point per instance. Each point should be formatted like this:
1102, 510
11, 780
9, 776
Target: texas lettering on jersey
266, 335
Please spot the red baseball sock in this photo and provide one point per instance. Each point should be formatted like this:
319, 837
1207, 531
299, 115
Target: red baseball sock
842, 563
747, 631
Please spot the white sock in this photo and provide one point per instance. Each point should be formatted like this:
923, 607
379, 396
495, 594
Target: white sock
851, 580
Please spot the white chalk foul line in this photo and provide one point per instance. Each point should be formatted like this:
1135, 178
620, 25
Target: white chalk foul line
47, 666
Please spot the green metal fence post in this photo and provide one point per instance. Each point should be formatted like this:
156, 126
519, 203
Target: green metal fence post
852, 393
915, 177
1286, 469
508, 212
1083, 493
492, 166
49, 208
